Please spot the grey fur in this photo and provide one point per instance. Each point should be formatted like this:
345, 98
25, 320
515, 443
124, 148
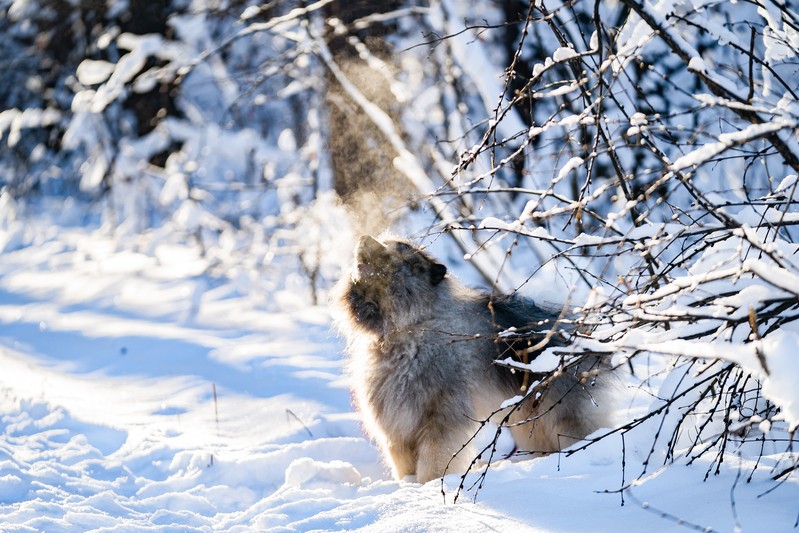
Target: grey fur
422, 352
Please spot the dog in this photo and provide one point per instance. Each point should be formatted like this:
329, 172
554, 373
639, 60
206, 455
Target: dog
423, 351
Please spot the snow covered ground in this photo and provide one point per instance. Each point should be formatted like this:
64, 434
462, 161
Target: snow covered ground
136, 395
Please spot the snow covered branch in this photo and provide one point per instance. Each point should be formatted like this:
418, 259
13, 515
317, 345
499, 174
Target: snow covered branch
654, 180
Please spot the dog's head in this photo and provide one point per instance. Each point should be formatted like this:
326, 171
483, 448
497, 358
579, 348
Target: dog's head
392, 284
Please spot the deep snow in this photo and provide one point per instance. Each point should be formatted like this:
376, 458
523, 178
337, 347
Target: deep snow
136, 394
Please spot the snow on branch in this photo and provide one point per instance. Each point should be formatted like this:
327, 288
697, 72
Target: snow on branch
720, 86
653, 182
726, 141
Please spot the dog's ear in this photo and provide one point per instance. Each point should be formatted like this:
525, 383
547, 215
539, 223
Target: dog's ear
437, 273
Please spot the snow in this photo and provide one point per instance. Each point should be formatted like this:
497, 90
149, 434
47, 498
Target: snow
165, 369
778, 377
92, 72
571, 164
128, 404
638, 119
14, 121
564, 53
697, 64
128, 66
708, 151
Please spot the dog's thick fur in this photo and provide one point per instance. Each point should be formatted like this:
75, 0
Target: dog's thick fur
422, 352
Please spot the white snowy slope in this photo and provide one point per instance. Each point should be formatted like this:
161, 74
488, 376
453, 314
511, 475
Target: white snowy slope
137, 396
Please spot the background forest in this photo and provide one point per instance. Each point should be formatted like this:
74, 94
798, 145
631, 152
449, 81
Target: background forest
633, 162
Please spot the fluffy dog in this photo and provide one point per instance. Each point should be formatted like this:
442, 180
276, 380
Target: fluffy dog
422, 350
